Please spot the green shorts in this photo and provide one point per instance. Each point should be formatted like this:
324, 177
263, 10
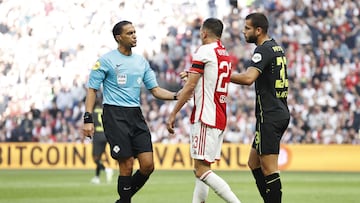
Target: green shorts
268, 136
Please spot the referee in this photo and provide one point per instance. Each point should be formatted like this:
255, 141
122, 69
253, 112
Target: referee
122, 74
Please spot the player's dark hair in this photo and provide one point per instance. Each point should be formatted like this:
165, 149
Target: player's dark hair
258, 20
118, 28
214, 25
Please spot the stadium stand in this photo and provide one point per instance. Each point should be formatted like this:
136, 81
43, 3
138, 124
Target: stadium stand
48, 48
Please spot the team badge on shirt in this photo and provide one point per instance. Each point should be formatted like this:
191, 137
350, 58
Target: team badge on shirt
256, 57
121, 79
96, 65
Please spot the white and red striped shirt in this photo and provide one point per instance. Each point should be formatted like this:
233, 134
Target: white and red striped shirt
210, 94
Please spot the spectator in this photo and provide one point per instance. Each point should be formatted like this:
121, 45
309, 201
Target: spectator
40, 57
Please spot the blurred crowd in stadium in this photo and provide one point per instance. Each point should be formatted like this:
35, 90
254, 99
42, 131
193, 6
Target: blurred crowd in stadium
47, 48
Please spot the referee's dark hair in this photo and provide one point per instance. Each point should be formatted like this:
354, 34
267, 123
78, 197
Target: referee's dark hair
258, 20
118, 28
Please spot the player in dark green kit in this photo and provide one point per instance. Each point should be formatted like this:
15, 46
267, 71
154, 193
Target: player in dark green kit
99, 143
269, 72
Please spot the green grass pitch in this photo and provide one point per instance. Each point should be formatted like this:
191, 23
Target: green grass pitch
73, 186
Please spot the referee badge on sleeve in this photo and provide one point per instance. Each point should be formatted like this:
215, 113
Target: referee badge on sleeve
96, 65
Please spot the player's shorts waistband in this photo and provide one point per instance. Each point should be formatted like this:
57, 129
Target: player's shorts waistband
120, 107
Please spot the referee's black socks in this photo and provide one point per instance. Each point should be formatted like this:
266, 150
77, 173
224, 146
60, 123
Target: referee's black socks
137, 181
124, 188
273, 188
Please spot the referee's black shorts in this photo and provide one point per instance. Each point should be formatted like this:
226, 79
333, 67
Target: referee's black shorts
126, 131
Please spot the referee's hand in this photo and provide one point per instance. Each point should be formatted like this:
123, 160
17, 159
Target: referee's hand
88, 130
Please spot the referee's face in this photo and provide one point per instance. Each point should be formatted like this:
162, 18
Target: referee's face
128, 36
249, 32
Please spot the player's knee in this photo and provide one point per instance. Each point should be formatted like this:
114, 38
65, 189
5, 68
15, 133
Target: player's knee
197, 173
253, 164
267, 170
147, 169
96, 158
126, 166
98, 162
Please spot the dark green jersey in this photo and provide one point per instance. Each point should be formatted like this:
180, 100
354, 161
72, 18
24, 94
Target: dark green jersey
98, 120
272, 84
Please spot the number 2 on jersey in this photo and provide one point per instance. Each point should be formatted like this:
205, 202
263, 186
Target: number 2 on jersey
222, 85
283, 81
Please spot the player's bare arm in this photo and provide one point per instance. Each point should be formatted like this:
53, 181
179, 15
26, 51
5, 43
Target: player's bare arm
245, 78
186, 93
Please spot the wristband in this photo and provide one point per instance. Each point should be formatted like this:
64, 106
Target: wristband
175, 96
88, 118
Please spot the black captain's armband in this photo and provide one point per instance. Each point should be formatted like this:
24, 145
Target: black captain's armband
88, 118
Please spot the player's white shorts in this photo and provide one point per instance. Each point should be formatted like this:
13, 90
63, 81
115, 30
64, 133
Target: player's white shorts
205, 142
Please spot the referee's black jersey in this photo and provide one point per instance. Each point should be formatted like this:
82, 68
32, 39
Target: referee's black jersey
272, 84
97, 115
